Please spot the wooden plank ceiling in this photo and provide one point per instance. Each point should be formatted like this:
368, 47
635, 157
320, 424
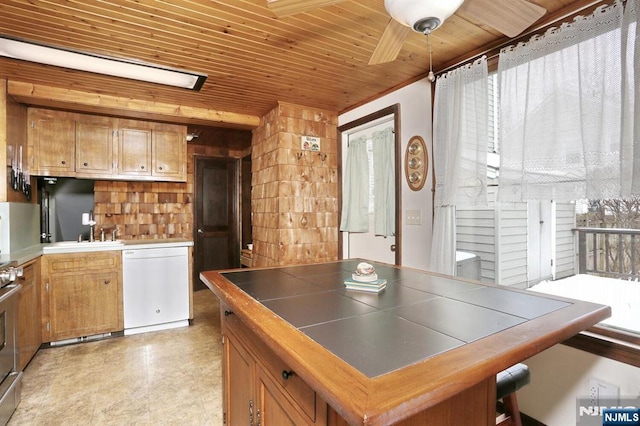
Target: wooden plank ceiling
253, 59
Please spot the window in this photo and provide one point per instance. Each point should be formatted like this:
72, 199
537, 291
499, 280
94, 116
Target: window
585, 249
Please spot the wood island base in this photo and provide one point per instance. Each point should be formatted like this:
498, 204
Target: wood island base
299, 349
261, 389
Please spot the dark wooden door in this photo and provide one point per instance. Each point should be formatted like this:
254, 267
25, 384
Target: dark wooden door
217, 216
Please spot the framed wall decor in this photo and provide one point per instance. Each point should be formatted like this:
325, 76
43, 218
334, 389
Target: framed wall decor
416, 163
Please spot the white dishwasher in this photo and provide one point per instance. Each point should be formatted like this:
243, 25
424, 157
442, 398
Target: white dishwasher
155, 285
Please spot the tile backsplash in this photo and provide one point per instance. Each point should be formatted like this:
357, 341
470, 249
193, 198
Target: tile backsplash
144, 210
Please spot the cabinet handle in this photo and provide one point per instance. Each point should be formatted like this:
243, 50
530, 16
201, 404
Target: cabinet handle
159, 167
85, 164
286, 374
258, 417
227, 313
250, 412
142, 167
107, 281
64, 162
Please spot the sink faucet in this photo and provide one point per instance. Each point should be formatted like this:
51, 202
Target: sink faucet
92, 226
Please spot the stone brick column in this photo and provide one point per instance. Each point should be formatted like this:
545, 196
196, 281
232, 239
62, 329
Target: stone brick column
294, 194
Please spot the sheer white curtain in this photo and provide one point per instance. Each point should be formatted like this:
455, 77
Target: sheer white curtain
561, 112
355, 206
384, 187
460, 138
630, 156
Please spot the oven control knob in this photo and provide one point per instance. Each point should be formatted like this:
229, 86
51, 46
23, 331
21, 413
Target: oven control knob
19, 272
10, 274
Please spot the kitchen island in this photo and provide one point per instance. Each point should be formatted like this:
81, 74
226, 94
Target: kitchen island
300, 348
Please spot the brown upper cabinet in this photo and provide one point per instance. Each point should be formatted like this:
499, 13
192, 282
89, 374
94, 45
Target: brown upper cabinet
134, 148
52, 136
94, 145
85, 146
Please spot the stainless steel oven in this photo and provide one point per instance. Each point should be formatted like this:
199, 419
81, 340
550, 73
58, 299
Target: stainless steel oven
9, 376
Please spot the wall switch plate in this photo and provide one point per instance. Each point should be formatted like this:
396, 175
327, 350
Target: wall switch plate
413, 217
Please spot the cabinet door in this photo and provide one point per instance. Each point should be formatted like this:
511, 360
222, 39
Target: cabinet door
29, 337
169, 152
94, 146
83, 304
134, 148
238, 373
52, 139
81, 294
273, 407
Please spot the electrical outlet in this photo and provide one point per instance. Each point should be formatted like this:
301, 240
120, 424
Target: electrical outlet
599, 390
413, 217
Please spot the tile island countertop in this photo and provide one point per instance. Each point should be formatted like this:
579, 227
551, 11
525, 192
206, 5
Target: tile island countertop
381, 358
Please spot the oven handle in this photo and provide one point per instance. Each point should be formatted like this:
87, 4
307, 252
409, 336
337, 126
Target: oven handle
12, 289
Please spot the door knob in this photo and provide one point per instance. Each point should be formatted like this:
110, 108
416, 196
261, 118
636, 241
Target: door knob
393, 247
200, 231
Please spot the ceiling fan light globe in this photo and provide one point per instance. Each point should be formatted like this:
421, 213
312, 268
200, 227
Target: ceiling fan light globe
414, 12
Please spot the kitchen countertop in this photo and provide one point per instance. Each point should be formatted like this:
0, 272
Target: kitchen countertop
450, 334
30, 253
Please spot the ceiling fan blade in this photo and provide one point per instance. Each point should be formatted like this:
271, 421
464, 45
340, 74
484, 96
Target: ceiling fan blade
390, 43
510, 17
290, 7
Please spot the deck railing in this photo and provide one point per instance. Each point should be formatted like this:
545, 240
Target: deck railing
609, 252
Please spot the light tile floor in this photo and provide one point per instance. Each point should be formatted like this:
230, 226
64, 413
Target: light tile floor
170, 377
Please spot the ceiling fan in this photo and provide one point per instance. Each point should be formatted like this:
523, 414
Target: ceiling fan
510, 17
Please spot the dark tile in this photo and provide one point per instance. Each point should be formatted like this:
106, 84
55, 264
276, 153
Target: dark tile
328, 281
511, 302
457, 319
393, 295
379, 343
242, 276
320, 268
394, 274
304, 310
281, 287
438, 285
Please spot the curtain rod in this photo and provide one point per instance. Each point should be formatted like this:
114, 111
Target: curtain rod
561, 16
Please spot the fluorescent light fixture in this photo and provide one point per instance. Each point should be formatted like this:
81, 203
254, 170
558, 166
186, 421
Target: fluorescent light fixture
116, 67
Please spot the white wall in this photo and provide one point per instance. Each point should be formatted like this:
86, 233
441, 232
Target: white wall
415, 119
561, 374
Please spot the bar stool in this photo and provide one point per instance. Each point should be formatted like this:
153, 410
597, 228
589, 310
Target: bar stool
507, 383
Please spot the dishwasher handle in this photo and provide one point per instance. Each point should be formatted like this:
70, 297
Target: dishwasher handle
154, 253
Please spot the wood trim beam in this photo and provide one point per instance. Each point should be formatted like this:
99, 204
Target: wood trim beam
620, 351
56, 97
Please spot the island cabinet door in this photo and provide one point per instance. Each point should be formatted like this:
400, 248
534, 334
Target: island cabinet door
239, 384
259, 388
274, 408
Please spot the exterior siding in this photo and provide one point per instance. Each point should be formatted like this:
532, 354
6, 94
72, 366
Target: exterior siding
565, 259
475, 233
512, 244
498, 235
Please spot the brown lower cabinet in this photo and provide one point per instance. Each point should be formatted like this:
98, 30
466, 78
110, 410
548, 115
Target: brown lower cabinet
81, 294
262, 390
29, 337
